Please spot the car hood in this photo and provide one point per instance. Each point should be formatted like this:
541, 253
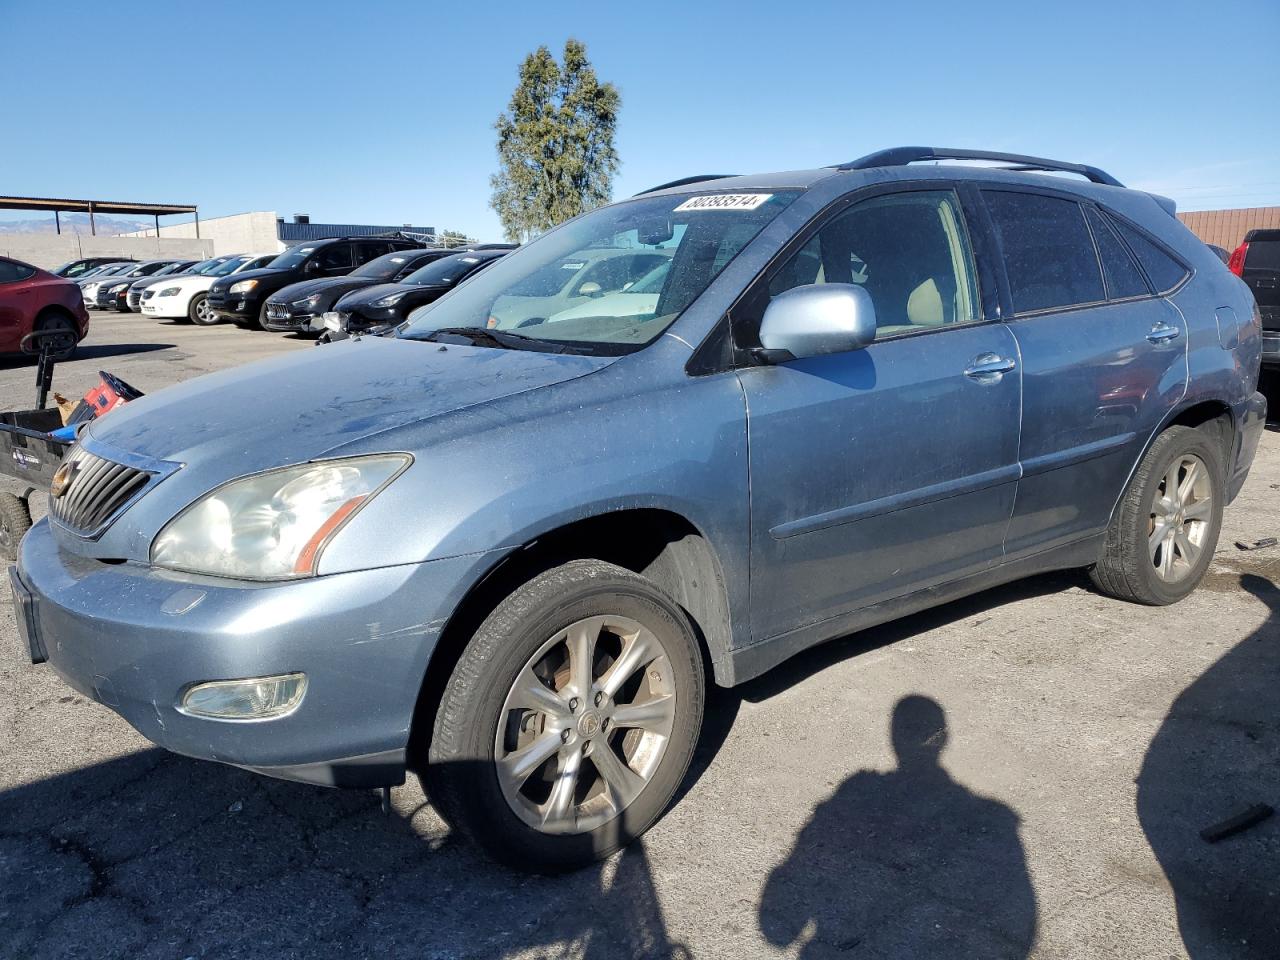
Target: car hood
362, 298
314, 402
262, 273
335, 286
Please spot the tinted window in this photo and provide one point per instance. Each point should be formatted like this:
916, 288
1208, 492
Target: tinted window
12, 271
334, 257
446, 270
1048, 252
1123, 277
1164, 272
367, 251
384, 267
910, 251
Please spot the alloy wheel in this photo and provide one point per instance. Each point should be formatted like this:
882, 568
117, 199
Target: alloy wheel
585, 725
1181, 512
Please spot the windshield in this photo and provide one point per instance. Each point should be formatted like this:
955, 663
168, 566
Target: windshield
690, 238
444, 271
230, 266
385, 267
293, 257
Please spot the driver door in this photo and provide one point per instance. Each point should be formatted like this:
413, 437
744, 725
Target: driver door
879, 472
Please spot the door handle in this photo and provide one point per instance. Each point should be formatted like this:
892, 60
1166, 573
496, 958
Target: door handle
989, 368
1163, 333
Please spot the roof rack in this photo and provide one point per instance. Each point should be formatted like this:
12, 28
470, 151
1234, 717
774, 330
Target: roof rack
685, 181
901, 156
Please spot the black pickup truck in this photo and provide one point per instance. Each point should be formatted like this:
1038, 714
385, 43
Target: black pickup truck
1257, 262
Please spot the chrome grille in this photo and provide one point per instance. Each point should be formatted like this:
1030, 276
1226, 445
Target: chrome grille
99, 489
277, 311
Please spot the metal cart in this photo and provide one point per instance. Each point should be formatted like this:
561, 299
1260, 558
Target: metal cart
27, 452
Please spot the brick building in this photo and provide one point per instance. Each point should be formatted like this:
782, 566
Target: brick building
1226, 228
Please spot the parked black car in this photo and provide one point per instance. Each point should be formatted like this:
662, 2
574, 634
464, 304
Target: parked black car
293, 307
389, 303
1257, 263
242, 297
112, 294
78, 268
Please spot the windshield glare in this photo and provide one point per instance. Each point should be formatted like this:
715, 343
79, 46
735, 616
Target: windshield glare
557, 289
230, 266
293, 257
382, 268
443, 271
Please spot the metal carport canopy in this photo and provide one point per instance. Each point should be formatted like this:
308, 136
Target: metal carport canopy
61, 205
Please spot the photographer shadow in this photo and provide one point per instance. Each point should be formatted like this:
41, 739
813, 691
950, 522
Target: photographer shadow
907, 863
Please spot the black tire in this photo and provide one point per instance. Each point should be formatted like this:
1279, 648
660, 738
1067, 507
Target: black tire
201, 318
54, 320
15, 521
1126, 569
461, 778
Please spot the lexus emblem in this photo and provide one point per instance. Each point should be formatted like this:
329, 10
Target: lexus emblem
62, 479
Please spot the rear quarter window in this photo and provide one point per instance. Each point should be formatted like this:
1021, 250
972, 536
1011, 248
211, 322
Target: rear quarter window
1120, 270
1048, 251
1162, 270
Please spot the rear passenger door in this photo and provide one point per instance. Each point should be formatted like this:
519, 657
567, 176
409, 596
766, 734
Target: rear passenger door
1103, 360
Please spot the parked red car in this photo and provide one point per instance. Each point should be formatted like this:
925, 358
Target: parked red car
34, 299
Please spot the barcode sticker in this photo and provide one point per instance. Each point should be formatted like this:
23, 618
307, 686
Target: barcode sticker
724, 201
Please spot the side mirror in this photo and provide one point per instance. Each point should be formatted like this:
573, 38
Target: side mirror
313, 266
589, 289
815, 320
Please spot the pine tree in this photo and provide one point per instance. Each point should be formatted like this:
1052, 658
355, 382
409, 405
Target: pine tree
555, 143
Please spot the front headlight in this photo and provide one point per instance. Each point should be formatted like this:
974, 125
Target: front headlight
244, 286
118, 287
275, 525
307, 303
169, 292
389, 301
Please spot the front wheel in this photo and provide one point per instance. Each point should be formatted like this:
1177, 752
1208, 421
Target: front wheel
15, 521
1165, 529
199, 312
570, 718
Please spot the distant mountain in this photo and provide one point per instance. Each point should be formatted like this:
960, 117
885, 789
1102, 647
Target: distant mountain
77, 223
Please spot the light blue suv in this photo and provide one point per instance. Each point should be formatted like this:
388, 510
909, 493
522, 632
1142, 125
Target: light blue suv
511, 559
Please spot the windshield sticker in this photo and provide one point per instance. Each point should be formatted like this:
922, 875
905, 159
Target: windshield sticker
724, 201
572, 266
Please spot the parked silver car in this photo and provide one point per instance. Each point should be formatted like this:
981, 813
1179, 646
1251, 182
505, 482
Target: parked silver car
510, 557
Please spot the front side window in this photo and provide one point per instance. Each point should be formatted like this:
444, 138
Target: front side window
909, 251
291, 258
335, 257
546, 293
1048, 252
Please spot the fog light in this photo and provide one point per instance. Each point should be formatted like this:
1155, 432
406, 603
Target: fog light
258, 698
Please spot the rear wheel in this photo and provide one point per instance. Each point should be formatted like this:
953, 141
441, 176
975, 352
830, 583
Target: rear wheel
60, 321
1163, 534
199, 311
570, 719
15, 521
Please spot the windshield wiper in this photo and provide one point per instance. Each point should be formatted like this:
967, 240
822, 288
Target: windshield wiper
502, 339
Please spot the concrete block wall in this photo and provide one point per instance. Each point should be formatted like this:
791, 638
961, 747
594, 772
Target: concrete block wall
241, 233
50, 250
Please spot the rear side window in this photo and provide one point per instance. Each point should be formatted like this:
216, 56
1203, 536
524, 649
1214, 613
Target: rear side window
335, 257
1123, 277
12, 272
1048, 253
1162, 270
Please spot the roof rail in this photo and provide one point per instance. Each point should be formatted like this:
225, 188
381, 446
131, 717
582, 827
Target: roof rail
900, 156
685, 181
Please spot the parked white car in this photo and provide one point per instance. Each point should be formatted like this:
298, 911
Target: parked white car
185, 298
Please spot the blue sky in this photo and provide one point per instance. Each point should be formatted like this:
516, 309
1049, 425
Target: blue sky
379, 112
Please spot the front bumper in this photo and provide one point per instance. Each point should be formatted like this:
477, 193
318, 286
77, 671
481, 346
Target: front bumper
135, 638
237, 307
282, 318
